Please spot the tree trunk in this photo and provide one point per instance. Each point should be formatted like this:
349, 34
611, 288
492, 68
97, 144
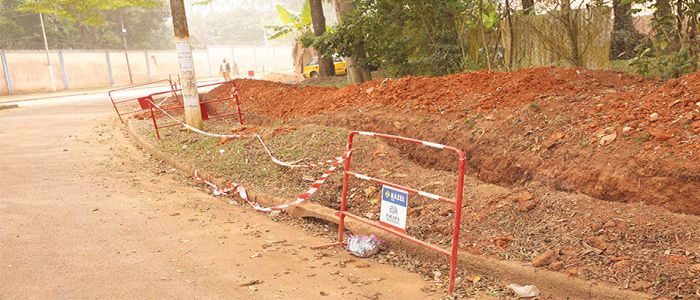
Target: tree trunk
512, 36
357, 71
571, 22
528, 5
484, 44
625, 36
663, 17
318, 20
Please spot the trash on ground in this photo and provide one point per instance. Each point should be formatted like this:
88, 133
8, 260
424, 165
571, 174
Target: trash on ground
524, 291
363, 246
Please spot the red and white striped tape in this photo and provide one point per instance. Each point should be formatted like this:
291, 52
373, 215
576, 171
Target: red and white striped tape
234, 187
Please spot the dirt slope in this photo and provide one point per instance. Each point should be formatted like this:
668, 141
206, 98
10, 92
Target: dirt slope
609, 135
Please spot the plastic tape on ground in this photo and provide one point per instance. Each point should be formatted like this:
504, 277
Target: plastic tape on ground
236, 136
234, 187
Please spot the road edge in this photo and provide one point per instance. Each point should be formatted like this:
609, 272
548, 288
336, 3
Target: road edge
8, 106
549, 282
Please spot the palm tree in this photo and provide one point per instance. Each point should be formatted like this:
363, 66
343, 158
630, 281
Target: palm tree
295, 25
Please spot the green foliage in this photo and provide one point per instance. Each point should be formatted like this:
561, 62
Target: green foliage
294, 24
146, 27
407, 37
674, 48
90, 12
674, 64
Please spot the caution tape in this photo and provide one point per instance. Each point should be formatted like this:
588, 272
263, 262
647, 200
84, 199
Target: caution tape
236, 136
234, 187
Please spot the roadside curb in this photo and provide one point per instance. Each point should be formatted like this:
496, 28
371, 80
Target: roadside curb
552, 284
9, 106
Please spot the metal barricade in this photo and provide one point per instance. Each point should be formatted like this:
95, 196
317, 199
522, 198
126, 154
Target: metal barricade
232, 96
457, 201
143, 103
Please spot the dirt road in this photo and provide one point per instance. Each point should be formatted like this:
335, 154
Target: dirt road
83, 214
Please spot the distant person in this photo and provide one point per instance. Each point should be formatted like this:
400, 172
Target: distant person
154, 68
225, 70
235, 69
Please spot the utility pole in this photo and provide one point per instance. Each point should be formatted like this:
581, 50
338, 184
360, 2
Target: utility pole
126, 49
193, 113
46, 47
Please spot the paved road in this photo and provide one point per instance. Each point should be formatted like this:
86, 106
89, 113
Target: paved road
83, 214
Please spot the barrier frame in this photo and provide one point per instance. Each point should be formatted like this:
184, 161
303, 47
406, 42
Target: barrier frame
457, 201
233, 96
145, 106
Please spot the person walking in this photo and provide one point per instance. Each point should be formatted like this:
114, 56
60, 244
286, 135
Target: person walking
225, 70
235, 69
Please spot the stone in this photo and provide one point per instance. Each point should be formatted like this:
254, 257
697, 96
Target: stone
622, 264
660, 135
607, 139
502, 242
527, 206
598, 243
545, 258
678, 259
654, 117
695, 267
524, 196
609, 224
640, 285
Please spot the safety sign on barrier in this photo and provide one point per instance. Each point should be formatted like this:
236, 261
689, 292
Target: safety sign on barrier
393, 207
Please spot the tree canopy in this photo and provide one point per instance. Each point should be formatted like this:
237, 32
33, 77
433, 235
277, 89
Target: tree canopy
89, 12
73, 24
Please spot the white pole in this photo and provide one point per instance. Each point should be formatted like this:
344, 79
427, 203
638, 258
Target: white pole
46, 46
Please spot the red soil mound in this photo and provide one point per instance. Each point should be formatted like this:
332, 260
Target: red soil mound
609, 135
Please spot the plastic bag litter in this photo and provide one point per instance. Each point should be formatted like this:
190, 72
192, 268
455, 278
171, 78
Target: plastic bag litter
363, 246
524, 291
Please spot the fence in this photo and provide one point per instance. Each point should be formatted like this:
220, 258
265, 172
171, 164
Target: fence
546, 40
24, 71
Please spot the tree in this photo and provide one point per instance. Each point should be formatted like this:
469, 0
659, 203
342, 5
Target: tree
89, 12
625, 36
673, 49
357, 71
318, 20
83, 17
20, 29
297, 26
404, 37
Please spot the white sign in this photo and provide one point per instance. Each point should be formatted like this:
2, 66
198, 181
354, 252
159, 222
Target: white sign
394, 207
184, 56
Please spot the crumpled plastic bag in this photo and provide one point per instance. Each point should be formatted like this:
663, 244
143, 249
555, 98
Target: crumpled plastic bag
363, 246
524, 291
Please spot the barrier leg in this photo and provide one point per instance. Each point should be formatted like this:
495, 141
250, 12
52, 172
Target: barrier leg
458, 220
155, 125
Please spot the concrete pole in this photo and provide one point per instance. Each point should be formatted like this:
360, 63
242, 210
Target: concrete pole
193, 113
126, 49
109, 68
148, 66
64, 75
46, 47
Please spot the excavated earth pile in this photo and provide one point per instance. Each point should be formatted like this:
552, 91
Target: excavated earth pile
608, 135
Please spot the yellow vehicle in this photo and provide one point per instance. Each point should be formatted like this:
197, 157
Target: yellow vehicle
311, 69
